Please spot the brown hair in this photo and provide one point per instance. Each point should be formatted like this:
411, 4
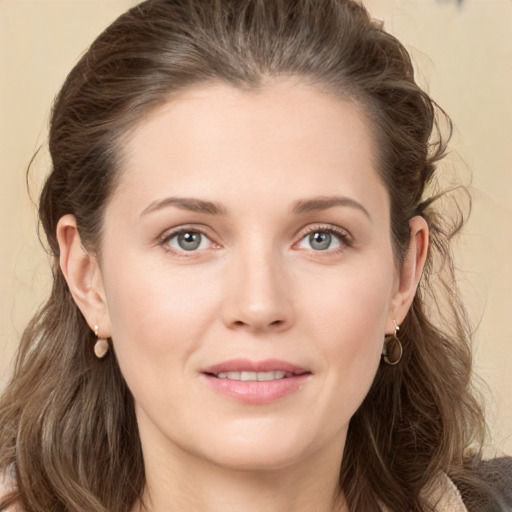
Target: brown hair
68, 427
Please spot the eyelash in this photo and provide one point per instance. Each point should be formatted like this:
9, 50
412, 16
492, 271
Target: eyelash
342, 235
169, 235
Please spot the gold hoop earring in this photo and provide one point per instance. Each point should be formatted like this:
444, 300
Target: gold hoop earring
101, 347
392, 350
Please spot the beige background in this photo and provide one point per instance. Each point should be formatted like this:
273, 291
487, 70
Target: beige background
464, 54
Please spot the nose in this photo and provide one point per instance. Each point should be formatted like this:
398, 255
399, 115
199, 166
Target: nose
259, 294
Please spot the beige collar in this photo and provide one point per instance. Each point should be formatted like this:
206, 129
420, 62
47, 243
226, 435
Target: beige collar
442, 496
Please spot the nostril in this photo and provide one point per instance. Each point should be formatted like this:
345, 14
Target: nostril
258, 326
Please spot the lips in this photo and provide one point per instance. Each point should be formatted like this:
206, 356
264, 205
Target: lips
247, 365
255, 382
255, 376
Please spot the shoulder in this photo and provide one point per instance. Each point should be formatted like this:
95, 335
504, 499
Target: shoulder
440, 495
443, 496
492, 491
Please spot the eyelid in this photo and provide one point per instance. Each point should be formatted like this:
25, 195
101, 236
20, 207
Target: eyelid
342, 234
168, 234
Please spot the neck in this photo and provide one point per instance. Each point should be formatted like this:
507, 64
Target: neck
242, 492
179, 482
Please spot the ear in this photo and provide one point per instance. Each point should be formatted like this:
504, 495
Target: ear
83, 276
410, 272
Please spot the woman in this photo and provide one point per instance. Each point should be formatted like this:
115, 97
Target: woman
246, 256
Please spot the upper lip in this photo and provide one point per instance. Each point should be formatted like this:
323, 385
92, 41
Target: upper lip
247, 365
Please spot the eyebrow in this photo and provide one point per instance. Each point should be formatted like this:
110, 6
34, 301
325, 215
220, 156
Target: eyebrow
213, 208
185, 203
324, 203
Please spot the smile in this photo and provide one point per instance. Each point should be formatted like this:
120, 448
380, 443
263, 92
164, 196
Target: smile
255, 376
255, 382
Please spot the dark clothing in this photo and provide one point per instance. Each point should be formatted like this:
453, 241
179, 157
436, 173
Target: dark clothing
496, 493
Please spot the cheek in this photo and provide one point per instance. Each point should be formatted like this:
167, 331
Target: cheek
354, 304
348, 320
157, 321
151, 306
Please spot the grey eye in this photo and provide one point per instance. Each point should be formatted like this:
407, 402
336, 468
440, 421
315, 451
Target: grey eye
320, 240
188, 241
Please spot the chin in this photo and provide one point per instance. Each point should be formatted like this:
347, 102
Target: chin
257, 460
254, 452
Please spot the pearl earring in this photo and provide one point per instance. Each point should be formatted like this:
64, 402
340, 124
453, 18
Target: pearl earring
101, 347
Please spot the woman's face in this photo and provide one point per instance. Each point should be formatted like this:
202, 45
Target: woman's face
248, 274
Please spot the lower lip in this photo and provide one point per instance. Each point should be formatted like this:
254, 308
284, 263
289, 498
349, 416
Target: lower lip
257, 392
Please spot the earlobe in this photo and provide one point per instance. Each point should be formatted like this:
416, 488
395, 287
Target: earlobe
411, 269
83, 275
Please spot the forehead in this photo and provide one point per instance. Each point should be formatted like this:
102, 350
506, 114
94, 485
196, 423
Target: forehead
289, 135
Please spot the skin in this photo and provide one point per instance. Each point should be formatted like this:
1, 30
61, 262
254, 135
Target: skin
257, 288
